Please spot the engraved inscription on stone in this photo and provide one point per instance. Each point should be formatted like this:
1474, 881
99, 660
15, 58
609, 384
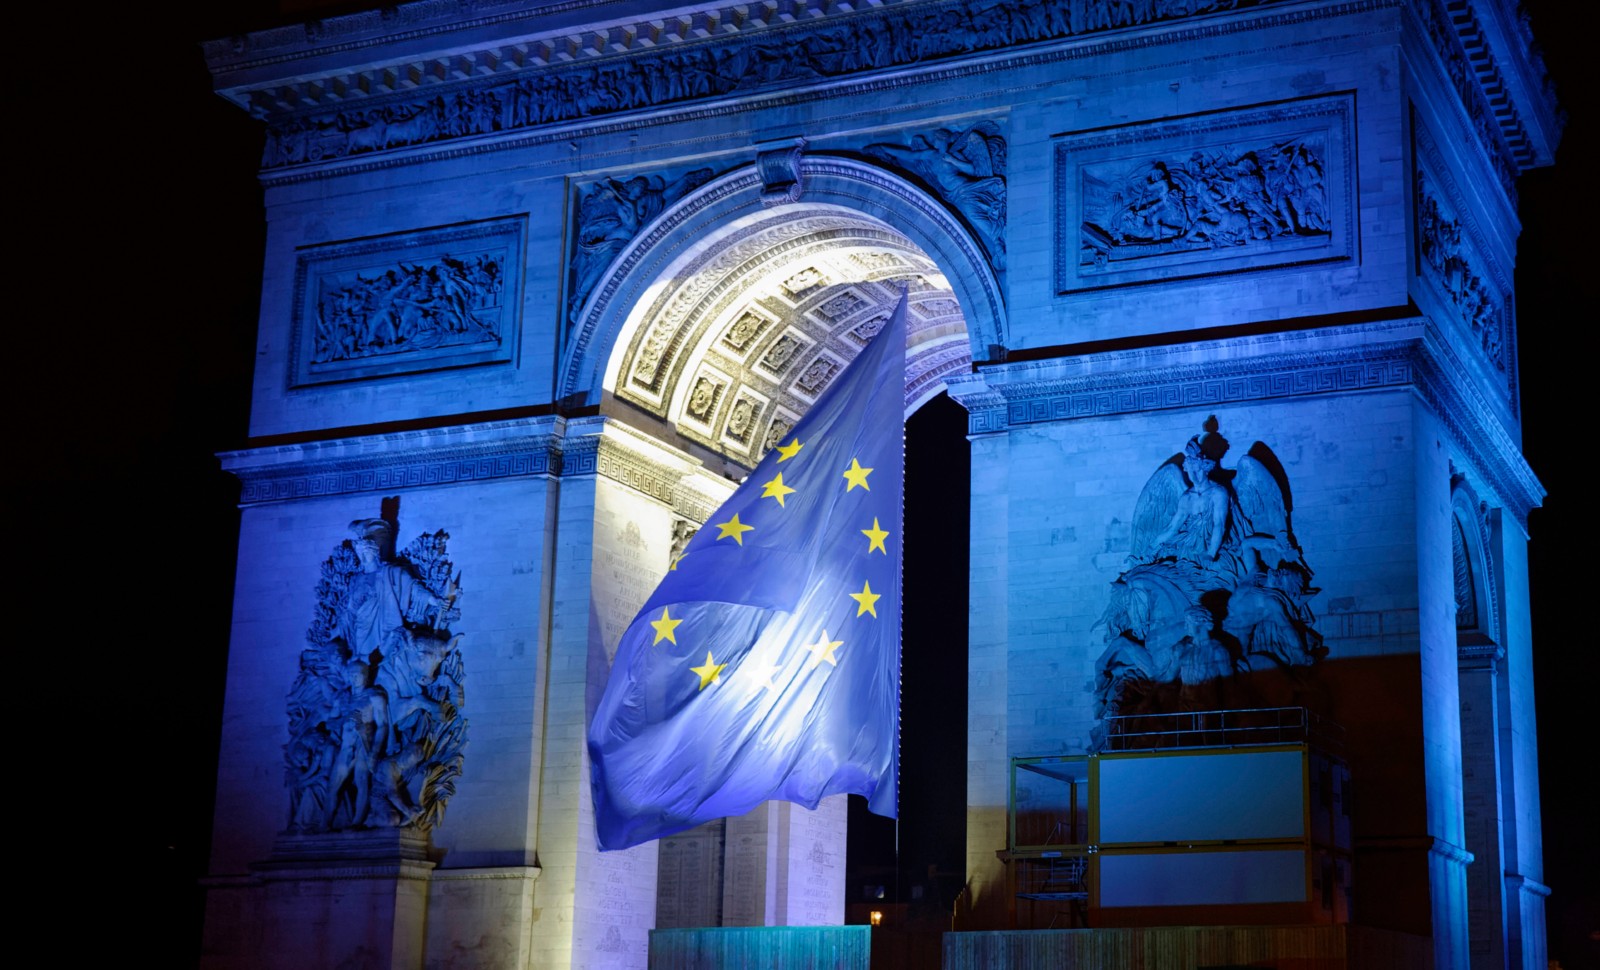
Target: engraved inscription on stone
625, 572
689, 887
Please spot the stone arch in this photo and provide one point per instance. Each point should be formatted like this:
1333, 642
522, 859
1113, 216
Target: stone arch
858, 196
1472, 551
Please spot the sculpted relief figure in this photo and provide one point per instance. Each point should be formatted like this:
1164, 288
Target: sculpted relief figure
375, 726
1217, 199
967, 168
610, 214
1215, 586
673, 73
437, 302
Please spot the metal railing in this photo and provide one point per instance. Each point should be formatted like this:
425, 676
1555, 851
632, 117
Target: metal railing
1213, 729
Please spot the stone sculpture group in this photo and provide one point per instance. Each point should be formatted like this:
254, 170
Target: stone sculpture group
1215, 586
375, 726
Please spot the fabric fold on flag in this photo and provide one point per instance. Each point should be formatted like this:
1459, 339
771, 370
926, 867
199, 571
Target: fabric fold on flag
766, 665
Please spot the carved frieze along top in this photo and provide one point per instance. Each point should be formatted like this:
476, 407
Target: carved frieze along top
1313, 362
362, 83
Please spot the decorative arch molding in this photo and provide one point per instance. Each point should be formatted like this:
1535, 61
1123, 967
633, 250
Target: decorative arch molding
1472, 555
733, 203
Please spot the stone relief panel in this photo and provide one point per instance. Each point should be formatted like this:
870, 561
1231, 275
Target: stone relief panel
1214, 590
790, 346
1450, 259
966, 168
376, 733
410, 302
681, 66
1240, 190
609, 214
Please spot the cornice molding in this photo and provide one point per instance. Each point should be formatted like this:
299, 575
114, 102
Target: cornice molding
547, 447
1400, 354
382, 462
601, 446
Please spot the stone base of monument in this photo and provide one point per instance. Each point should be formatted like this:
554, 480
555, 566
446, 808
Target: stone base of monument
341, 899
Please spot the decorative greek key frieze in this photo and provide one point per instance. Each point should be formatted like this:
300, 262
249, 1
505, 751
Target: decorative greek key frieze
1420, 360
409, 302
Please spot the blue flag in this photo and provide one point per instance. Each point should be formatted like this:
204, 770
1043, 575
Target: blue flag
767, 663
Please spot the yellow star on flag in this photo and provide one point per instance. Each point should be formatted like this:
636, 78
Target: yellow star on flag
677, 559
733, 527
710, 673
867, 599
875, 537
856, 475
664, 628
823, 650
763, 674
788, 451
776, 489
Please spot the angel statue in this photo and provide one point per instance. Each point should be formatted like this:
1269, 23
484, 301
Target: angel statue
1215, 585
375, 726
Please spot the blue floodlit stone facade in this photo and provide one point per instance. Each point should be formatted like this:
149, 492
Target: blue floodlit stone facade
544, 277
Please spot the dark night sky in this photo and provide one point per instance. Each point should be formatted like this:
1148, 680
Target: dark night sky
144, 374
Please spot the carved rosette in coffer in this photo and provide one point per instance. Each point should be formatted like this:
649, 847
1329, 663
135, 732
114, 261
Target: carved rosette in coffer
1225, 192
410, 302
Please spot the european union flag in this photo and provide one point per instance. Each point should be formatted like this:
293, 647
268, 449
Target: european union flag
767, 663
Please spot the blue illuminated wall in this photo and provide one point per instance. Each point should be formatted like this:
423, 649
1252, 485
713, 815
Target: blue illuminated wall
1129, 285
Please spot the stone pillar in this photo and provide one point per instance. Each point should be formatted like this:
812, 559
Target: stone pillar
985, 901
1486, 911
620, 495
784, 865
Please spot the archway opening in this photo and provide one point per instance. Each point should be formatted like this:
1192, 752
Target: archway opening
719, 355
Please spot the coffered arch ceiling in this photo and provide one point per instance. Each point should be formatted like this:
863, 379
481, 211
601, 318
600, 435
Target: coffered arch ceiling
741, 335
